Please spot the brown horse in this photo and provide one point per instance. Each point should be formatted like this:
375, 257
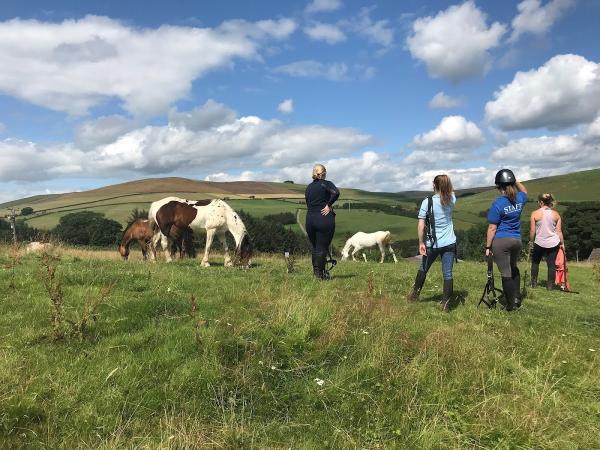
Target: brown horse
138, 231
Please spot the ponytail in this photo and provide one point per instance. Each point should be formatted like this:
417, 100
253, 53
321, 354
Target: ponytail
510, 190
443, 186
546, 200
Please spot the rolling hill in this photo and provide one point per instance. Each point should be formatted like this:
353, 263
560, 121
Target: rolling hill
262, 198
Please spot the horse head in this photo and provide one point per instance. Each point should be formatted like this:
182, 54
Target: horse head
124, 251
243, 251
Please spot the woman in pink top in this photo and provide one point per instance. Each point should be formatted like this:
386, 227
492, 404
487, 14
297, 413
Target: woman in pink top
546, 234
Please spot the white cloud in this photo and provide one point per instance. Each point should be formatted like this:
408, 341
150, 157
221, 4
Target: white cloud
536, 19
76, 64
452, 140
455, 43
551, 155
565, 91
315, 69
442, 101
323, 6
199, 140
211, 114
102, 130
328, 33
286, 106
377, 32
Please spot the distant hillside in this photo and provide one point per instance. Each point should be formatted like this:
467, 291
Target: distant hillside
262, 198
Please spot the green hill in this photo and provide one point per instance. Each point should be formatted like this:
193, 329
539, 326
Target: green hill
259, 199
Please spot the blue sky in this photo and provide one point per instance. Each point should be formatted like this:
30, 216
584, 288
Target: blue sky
387, 94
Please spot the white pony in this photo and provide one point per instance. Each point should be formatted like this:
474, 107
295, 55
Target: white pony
216, 217
365, 240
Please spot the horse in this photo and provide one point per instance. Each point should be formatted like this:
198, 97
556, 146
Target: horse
38, 247
215, 216
365, 240
139, 230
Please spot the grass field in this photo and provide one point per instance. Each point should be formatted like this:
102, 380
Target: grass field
274, 360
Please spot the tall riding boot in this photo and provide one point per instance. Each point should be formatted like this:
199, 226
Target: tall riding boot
315, 265
535, 270
509, 288
447, 297
516, 276
419, 281
319, 266
550, 285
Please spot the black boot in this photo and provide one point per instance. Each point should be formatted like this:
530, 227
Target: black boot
447, 297
419, 281
509, 288
550, 285
535, 269
319, 260
516, 276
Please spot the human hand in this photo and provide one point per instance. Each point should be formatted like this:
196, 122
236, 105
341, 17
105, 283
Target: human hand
326, 210
422, 249
488, 252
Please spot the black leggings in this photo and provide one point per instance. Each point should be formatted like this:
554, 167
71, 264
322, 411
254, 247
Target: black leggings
320, 230
536, 258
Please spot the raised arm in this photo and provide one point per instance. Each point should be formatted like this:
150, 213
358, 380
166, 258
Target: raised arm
521, 187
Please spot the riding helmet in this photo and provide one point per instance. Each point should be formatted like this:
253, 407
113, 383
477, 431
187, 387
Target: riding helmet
505, 177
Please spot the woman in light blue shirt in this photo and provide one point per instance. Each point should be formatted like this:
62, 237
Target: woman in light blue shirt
437, 238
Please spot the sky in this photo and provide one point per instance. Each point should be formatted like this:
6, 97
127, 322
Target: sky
386, 94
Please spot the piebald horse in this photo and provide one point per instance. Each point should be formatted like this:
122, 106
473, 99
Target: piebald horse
171, 216
365, 240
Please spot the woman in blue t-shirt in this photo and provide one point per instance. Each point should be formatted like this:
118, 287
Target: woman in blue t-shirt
441, 242
504, 234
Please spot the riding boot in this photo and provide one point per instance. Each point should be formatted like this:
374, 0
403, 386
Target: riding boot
516, 276
535, 269
509, 288
319, 265
419, 281
447, 297
550, 285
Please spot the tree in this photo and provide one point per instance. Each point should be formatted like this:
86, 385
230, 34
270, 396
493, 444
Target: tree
26, 211
88, 228
136, 214
289, 181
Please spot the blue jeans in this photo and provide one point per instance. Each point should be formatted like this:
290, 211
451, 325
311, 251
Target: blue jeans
446, 253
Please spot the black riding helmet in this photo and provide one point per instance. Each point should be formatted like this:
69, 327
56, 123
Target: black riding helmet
505, 177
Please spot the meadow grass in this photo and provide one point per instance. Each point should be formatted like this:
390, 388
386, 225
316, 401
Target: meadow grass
182, 357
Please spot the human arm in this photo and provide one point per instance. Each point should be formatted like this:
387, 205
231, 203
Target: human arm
532, 227
334, 194
491, 232
559, 231
521, 187
421, 234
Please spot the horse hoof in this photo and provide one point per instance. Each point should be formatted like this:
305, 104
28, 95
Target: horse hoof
205, 264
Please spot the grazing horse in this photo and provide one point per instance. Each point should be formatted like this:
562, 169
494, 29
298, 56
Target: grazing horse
215, 216
181, 239
365, 240
139, 230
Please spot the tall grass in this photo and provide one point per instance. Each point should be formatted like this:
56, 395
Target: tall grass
190, 357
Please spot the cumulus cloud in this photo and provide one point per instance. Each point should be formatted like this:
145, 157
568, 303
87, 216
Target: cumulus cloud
102, 130
76, 64
286, 106
536, 19
315, 69
443, 101
326, 32
205, 138
317, 6
455, 43
452, 140
564, 92
551, 155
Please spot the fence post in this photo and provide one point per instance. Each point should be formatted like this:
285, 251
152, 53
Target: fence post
13, 224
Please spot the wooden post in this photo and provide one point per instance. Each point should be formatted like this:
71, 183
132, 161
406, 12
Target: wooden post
13, 225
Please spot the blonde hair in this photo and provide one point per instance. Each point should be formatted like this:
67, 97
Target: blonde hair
443, 185
319, 172
546, 200
510, 190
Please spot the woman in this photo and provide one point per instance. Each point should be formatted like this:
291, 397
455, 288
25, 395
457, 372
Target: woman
504, 234
545, 232
320, 196
441, 241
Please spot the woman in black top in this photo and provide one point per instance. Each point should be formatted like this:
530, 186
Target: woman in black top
320, 218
